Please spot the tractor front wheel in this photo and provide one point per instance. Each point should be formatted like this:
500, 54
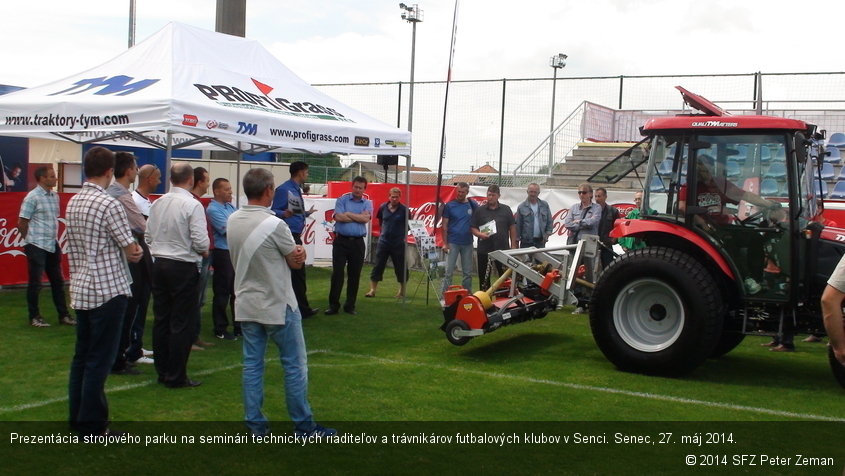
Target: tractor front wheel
451, 332
656, 311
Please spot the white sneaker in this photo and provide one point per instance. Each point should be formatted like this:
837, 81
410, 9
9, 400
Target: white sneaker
144, 360
751, 286
578, 310
147, 353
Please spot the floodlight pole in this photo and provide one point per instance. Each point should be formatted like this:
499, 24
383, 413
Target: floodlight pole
556, 62
131, 23
413, 15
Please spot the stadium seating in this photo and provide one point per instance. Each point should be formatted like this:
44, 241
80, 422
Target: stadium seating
665, 167
776, 171
656, 185
769, 187
827, 171
833, 155
733, 168
838, 190
837, 139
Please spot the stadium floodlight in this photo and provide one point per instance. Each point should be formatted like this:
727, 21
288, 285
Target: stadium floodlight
557, 62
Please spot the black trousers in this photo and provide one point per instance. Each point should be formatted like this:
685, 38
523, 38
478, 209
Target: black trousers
175, 302
396, 253
297, 280
483, 276
139, 282
40, 261
223, 285
348, 258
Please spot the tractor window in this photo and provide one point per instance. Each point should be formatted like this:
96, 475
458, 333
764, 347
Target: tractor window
738, 199
667, 171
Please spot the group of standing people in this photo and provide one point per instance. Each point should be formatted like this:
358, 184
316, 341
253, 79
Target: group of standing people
121, 247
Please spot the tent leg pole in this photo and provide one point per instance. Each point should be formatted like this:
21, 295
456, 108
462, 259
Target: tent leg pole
168, 158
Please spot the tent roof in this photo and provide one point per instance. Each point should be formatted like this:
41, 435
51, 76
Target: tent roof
208, 91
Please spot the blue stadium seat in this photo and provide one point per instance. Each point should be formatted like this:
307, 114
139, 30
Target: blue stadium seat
838, 190
665, 167
837, 139
776, 171
733, 168
841, 175
833, 155
769, 187
765, 155
827, 171
656, 185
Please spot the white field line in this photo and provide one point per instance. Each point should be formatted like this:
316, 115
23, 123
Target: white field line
495, 375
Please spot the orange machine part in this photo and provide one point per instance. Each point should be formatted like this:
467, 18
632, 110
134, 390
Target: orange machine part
471, 311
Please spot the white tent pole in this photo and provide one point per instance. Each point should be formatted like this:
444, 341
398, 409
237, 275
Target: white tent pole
238, 175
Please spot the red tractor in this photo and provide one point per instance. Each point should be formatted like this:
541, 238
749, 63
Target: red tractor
734, 243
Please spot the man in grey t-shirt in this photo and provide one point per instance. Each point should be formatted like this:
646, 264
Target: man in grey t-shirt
832, 298
263, 252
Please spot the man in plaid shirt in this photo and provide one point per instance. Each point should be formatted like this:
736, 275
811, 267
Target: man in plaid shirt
38, 226
100, 242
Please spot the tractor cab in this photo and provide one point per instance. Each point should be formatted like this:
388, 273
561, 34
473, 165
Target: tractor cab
734, 246
739, 189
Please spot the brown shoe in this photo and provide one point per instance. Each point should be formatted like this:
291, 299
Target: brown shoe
769, 344
203, 343
782, 348
812, 338
67, 320
196, 347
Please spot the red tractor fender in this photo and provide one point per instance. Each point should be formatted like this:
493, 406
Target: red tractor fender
626, 227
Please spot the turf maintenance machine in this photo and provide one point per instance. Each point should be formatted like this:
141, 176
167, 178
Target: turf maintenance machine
536, 281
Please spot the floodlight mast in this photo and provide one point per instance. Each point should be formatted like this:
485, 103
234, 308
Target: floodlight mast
556, 62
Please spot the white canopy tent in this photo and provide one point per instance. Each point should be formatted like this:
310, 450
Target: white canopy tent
185, 87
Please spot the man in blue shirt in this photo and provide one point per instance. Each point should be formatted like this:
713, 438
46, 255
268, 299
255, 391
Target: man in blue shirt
223, 281
352, 212
457, 216
392, 216
38, 226
289, 205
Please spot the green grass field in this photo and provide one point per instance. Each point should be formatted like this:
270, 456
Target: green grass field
390, 369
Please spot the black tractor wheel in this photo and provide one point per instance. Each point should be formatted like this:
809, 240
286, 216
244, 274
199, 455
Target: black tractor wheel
453, 326
727, 342
837, 368
656, 311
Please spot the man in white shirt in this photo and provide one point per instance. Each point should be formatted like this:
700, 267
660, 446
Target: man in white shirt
178, 239
149, 178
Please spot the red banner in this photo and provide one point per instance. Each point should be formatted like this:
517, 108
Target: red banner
12, 257
420, 203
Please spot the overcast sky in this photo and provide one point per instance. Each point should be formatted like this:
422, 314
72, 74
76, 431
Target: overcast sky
331, 41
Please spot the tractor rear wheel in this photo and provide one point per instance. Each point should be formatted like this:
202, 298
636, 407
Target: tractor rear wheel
656, 311
453, 326
727, 342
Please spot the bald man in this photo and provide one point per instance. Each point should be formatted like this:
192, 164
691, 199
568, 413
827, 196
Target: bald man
149, 178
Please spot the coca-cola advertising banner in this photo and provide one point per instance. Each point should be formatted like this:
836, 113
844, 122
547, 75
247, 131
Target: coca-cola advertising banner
422, 206
319, 227
12, 257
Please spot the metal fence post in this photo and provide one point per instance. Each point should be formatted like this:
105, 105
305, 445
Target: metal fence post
502, 130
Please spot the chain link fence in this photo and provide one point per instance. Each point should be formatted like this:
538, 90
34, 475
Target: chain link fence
505, 123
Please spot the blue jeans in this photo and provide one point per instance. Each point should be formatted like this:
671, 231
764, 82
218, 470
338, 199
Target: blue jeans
465, 251
291, 344
97, 339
